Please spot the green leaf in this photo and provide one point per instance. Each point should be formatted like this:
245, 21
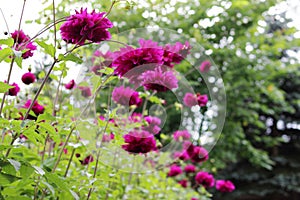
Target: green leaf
107, 70
19, 61
45, 116
48, 48
70, 57
26, 170
4, 87
4, 147
15, 164
5, 53
9, 41
6, 179
56, 180
39, 170
18, 197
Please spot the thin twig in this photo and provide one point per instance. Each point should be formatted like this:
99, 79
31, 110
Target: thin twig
8, 79
62, 149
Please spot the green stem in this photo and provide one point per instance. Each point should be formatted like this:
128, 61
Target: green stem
8, 79
94, 175
57, 95
40, 89
69, 163
62, 149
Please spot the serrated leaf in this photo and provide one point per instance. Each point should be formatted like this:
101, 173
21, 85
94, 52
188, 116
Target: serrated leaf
5, 53
39, 170
4, 87
41, 75
26, 170
107, 70
9, 41
6, 179
19, 60
70, 57
48, 48
15, 164
45, 116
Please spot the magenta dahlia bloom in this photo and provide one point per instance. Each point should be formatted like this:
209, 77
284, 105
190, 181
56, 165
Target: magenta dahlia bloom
202, 99
70, 85
21, 42
183, 183
174, 170
175, 53
129, 58
139, 142
136, 117
87, 160
190, 169
205, 179
85, 91
159, 80
193, 198
28, 78
190, 100
197, 154
153, 124
126, 96
225, 186
84, 26
181, 135
15, 90
37, 108
149, 44
108, 138
181, 155
205, 66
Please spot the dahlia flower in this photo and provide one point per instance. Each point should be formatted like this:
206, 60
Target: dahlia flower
205, 66
183, 183
108, 138
174, 170
153, 124
87, 160
70, 85
139, 142
181, 155
183, 135
126, 96
202, 99
84, 26
159, 80
225, 186
197, 154
28, 78
191, 100
175, 53
36, 108
85, 91
20, 39
15, 90
190, 169
129, 58
205, 179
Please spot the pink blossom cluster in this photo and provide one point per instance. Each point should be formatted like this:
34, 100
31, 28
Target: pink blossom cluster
188, 172
191, 100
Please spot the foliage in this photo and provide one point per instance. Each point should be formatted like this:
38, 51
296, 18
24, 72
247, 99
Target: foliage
53, 155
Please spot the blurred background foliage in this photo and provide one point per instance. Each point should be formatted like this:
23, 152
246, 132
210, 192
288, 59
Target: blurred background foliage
256, 53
